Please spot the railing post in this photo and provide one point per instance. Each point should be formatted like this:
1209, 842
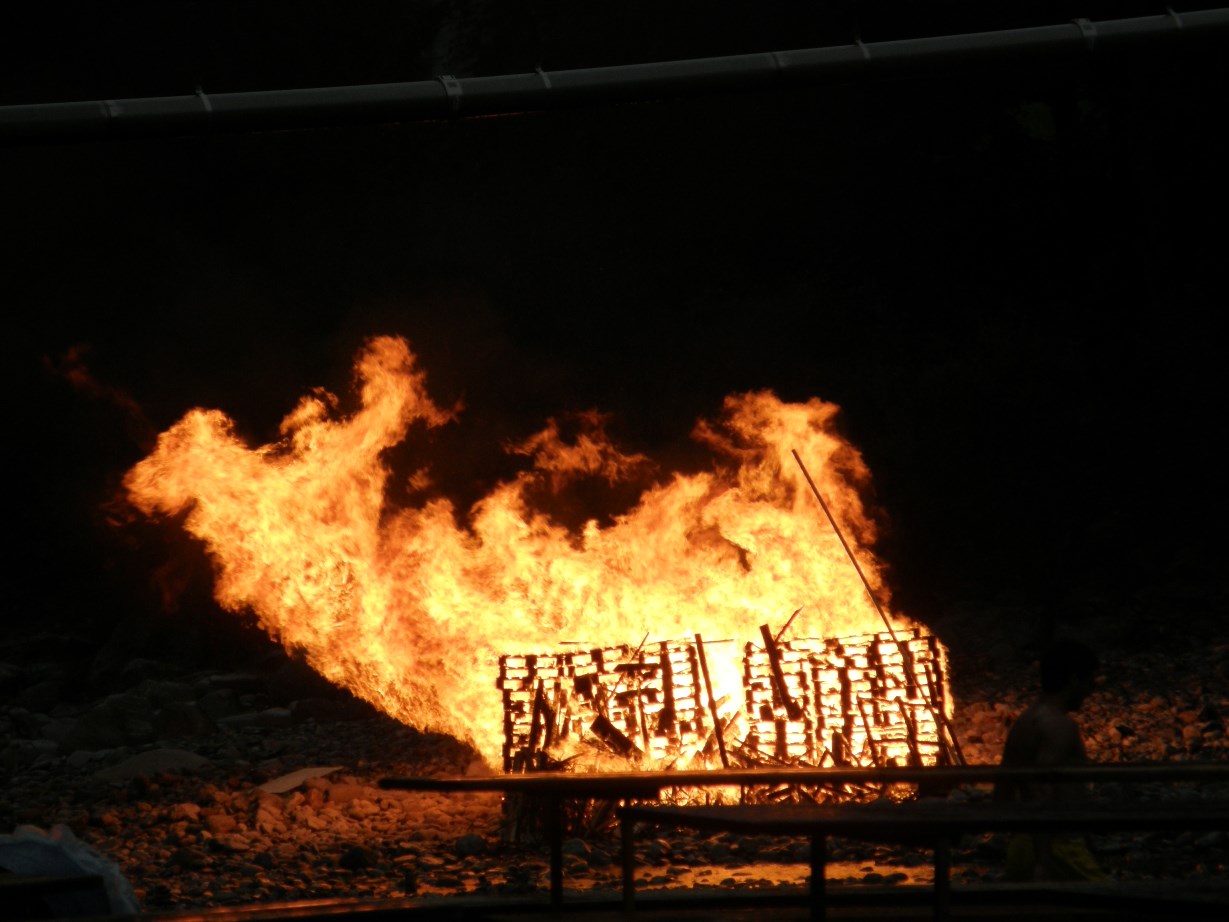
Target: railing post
554, 822
819, 882
627, 835
943, 878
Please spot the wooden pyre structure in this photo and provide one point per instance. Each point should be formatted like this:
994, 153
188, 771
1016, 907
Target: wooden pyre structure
869, 699
866, 700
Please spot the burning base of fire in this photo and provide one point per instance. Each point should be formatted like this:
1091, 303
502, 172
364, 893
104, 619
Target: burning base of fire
863, 700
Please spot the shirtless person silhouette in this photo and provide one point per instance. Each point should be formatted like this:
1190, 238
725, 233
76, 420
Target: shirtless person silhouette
1047, 734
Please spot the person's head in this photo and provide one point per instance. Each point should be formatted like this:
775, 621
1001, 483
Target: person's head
1068, 669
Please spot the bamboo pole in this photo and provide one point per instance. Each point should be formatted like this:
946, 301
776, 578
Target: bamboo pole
931, 684
940, 718
781, 633
876, 755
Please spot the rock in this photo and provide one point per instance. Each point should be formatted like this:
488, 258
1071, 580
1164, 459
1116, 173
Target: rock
41, 697
657, 850
219, 702
118, 720
181, 720
358, 857
161, 692
360, 809
186, 811
152, 762
268, 719
21, 754
238, 682
471, 844
575, 847
343, 793
220, 823
139, 671
59, 729
230, 842
188, 859
83, 758
295, 779
327, 710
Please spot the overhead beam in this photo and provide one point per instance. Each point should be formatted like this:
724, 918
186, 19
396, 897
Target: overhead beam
448, 97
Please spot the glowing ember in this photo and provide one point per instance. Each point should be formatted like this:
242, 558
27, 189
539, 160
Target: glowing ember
411, 608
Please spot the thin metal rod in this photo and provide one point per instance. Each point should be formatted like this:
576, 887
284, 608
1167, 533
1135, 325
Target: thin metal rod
448, 97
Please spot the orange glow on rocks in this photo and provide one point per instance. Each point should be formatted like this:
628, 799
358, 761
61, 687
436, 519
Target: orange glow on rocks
410, 608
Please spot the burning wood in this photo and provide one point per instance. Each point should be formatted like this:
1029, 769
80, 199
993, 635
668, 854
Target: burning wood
635, 702
863, 700
860, 702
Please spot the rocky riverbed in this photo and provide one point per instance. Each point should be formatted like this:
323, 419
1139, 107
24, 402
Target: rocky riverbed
207, 787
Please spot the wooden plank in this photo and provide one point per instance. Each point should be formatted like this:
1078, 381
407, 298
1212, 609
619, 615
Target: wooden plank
613, 783
920, 820
718, 729
792, 710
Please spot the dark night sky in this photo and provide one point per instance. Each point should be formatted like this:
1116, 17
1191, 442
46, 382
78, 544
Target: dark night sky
1009, 279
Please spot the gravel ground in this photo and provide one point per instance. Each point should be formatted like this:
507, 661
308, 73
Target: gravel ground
207, 788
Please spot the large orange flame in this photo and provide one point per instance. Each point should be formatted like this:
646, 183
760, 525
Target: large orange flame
411, 608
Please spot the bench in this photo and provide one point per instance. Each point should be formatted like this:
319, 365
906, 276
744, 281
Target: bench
935, 823
554, 788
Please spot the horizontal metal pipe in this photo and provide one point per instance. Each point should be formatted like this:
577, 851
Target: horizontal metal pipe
448, 97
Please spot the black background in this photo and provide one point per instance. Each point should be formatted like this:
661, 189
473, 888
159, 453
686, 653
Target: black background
1009, 277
